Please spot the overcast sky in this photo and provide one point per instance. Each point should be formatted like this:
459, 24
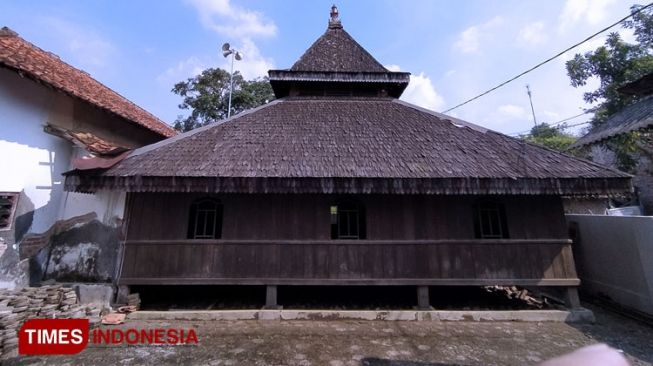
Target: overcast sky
454, 49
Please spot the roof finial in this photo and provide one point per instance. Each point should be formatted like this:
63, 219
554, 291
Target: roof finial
6, 32
334, 22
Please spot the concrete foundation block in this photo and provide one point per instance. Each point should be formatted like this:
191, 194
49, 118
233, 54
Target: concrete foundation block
92, 293
579, 315
269, 315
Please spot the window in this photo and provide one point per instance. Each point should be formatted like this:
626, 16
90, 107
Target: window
347, 221
490, 220
8, 203
205, 219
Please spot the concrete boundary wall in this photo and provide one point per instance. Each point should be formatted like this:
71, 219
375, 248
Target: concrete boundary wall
614, 258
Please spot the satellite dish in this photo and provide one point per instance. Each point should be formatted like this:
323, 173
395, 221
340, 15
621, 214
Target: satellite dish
239, 56
226, 47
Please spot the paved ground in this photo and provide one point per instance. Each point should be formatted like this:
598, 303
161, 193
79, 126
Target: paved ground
373, 343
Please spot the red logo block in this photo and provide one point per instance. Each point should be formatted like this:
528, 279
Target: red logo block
53, 336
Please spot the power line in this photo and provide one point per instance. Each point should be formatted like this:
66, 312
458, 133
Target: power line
549, 59
574, 125
554, 123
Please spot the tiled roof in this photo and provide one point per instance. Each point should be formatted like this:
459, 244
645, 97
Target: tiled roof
642, 86
637, 116
30, 61
354, 144
354, 138
337, 51
337, 58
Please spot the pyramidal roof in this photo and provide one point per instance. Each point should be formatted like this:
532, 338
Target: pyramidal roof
337, 51
337, 58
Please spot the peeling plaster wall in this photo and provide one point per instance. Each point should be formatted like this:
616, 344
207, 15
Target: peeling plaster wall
86, 253
33, 162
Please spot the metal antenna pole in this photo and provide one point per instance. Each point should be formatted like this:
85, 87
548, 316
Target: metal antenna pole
528, 90
231, 84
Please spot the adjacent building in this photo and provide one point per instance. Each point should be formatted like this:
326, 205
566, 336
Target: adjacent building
50, 114
637, 118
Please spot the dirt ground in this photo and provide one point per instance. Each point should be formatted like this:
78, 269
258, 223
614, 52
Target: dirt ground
372, 343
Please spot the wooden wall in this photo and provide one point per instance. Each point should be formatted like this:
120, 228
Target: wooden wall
164, 216
342, 262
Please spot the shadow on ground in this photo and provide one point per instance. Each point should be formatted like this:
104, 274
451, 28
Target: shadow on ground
633, 337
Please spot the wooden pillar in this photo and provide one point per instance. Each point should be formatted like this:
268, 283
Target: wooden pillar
423, 302
271, 297
571, 297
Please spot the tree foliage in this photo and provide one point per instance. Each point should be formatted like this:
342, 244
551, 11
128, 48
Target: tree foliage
615, 63
207, 97
551, 137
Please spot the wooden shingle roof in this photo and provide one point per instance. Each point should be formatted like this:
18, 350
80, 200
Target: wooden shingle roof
637, 116
30, 61
348, 144
351, 145
337, 51
338, 59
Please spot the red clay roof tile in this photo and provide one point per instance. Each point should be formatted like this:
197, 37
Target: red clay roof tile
22, 56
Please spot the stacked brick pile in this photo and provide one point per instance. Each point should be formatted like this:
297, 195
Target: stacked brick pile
51, 301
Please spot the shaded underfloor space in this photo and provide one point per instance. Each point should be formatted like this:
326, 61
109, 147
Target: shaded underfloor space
329, 297
200, 297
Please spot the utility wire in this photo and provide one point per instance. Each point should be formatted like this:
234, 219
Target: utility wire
574, 125
554, 123
570, 126
549, 59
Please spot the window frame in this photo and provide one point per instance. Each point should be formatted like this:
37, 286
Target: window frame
493, 214
348, 208
194, 212
13, 198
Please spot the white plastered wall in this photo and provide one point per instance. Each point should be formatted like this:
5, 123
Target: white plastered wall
32, 161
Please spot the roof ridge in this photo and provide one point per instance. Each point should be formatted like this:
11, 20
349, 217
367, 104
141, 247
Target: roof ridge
70, 68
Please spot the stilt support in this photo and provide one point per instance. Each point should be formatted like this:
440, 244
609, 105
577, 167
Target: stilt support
423, 302
571, 297
271, 297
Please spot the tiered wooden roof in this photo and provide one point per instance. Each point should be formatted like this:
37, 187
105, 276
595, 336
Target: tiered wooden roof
337, 59
353, 144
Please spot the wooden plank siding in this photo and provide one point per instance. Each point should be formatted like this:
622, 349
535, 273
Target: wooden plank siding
388, 217
418, 262
285, 240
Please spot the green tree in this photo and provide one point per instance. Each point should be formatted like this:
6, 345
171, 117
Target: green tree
207, 97
550, 137
615, 63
